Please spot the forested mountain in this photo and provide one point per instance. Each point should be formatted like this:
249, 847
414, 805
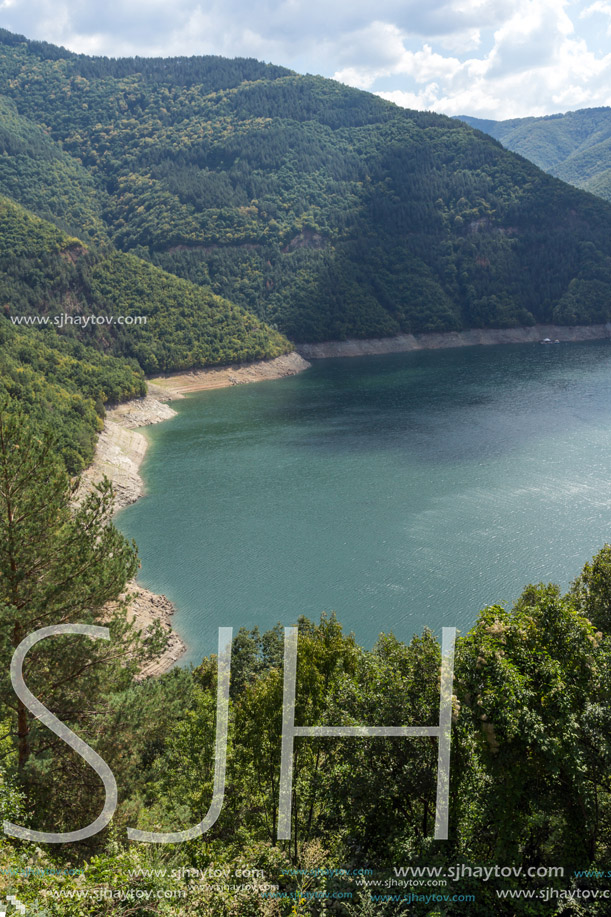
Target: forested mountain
61, 365
168, 323
326, 211
229, 202
575, 146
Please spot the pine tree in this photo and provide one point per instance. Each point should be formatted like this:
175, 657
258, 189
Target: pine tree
59, 564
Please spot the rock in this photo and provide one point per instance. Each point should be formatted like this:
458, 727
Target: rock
145, 608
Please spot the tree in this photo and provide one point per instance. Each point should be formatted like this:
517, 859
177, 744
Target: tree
591, 591
533, 682
59, 564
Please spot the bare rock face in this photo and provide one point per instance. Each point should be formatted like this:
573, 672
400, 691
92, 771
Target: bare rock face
120, 449
119, 453
141, 412
438, 340
305, 239
145, 608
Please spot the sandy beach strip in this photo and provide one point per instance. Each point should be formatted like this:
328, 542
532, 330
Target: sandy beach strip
199, 380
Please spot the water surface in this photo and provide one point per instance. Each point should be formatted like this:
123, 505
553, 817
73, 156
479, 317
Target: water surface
400, 491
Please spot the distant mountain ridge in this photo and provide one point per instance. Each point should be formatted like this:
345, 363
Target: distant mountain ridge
575, 146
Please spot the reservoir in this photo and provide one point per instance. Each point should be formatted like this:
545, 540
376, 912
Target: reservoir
403, 491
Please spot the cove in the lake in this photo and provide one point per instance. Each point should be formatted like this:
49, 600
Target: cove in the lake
402, 492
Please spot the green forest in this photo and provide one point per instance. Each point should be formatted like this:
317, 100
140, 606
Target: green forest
72, 372
325, 211
47, 273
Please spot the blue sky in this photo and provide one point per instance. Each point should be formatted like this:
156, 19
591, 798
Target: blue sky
489, 58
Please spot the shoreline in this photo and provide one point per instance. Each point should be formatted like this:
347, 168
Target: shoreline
403, 343
120, 451
199, 380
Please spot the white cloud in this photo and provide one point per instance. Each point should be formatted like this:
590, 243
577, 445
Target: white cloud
460, 42
536, 64
531, 38
601, 7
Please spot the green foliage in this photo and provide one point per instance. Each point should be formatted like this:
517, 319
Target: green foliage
531, 738
187, 326
532, 685
575, 146
37, 173
58, 564
63, 382
143, 313
591, 590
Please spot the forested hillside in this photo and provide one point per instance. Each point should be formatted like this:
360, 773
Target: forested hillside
326, 211
168, 323
575, 146
59, 367
65, 383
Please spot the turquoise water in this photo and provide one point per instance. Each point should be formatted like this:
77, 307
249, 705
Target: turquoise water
401, 491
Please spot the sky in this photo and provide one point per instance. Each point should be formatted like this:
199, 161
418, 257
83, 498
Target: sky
489, 58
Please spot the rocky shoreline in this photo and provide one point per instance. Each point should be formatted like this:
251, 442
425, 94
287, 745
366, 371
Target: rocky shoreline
436, 341
145, 609
121, 447
120, 450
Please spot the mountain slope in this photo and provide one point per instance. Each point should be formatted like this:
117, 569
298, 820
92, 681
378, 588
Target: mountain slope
141, 312
65, 384
63, 367
575, 146
326, 211
37, 173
